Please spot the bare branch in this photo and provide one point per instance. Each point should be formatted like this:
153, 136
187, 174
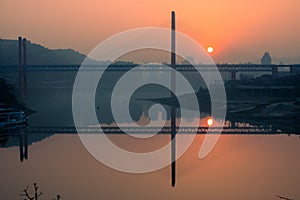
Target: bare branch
26, 194
281, 197
36, 193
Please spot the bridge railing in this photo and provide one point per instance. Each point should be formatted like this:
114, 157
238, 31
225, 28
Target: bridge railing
159, 130
151, 67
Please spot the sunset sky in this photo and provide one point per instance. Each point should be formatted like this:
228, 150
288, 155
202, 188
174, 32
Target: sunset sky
233, 27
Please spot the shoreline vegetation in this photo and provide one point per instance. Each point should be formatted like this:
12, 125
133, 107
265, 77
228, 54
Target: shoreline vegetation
8, 97
259, 101
266, 100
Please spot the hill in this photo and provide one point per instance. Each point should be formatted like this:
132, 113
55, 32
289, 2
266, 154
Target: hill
37, 54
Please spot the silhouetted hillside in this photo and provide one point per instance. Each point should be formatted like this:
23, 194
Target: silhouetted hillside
37, 54
7, 96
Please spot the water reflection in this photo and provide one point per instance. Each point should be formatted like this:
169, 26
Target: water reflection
15, 136
60, 163
22, 136
240, 167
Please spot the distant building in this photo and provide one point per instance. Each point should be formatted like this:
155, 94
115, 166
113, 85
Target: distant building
266, 59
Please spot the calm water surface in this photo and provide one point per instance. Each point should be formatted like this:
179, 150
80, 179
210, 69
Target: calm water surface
239, 167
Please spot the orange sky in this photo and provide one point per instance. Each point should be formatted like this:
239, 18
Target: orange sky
233, 27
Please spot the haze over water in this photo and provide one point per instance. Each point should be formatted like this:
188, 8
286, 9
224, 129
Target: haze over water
256, 157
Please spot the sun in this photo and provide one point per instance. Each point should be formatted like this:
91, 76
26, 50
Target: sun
210, 121
210, 49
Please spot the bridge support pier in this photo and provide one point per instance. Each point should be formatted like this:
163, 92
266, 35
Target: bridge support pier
233, 75
233, 124
292, 69
274, 71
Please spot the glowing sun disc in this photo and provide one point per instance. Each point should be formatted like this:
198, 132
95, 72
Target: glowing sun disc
210, 121
210, 49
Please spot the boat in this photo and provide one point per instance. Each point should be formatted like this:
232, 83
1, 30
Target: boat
11, 117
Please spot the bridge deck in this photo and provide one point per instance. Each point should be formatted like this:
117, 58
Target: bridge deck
152, 130
151, 67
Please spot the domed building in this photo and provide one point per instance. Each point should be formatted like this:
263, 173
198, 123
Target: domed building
266, 59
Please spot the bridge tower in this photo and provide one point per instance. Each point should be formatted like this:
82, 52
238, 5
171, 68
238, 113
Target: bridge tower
23, 146
22, 62
24, 72
20, 66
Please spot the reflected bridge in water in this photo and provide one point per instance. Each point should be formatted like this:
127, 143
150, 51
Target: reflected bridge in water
23, 137
159, 130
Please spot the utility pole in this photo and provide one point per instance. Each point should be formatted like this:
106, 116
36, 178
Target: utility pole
173, 108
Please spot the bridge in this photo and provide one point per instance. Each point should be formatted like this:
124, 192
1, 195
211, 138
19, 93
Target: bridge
156, 67
22, 70
22, 133
152, 130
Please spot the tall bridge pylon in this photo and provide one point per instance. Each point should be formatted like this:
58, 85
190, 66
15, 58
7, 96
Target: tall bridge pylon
22, 62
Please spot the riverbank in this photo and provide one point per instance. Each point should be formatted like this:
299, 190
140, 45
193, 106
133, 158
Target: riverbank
8, 97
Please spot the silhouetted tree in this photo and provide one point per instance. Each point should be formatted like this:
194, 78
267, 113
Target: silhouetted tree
27, 194
58, 197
